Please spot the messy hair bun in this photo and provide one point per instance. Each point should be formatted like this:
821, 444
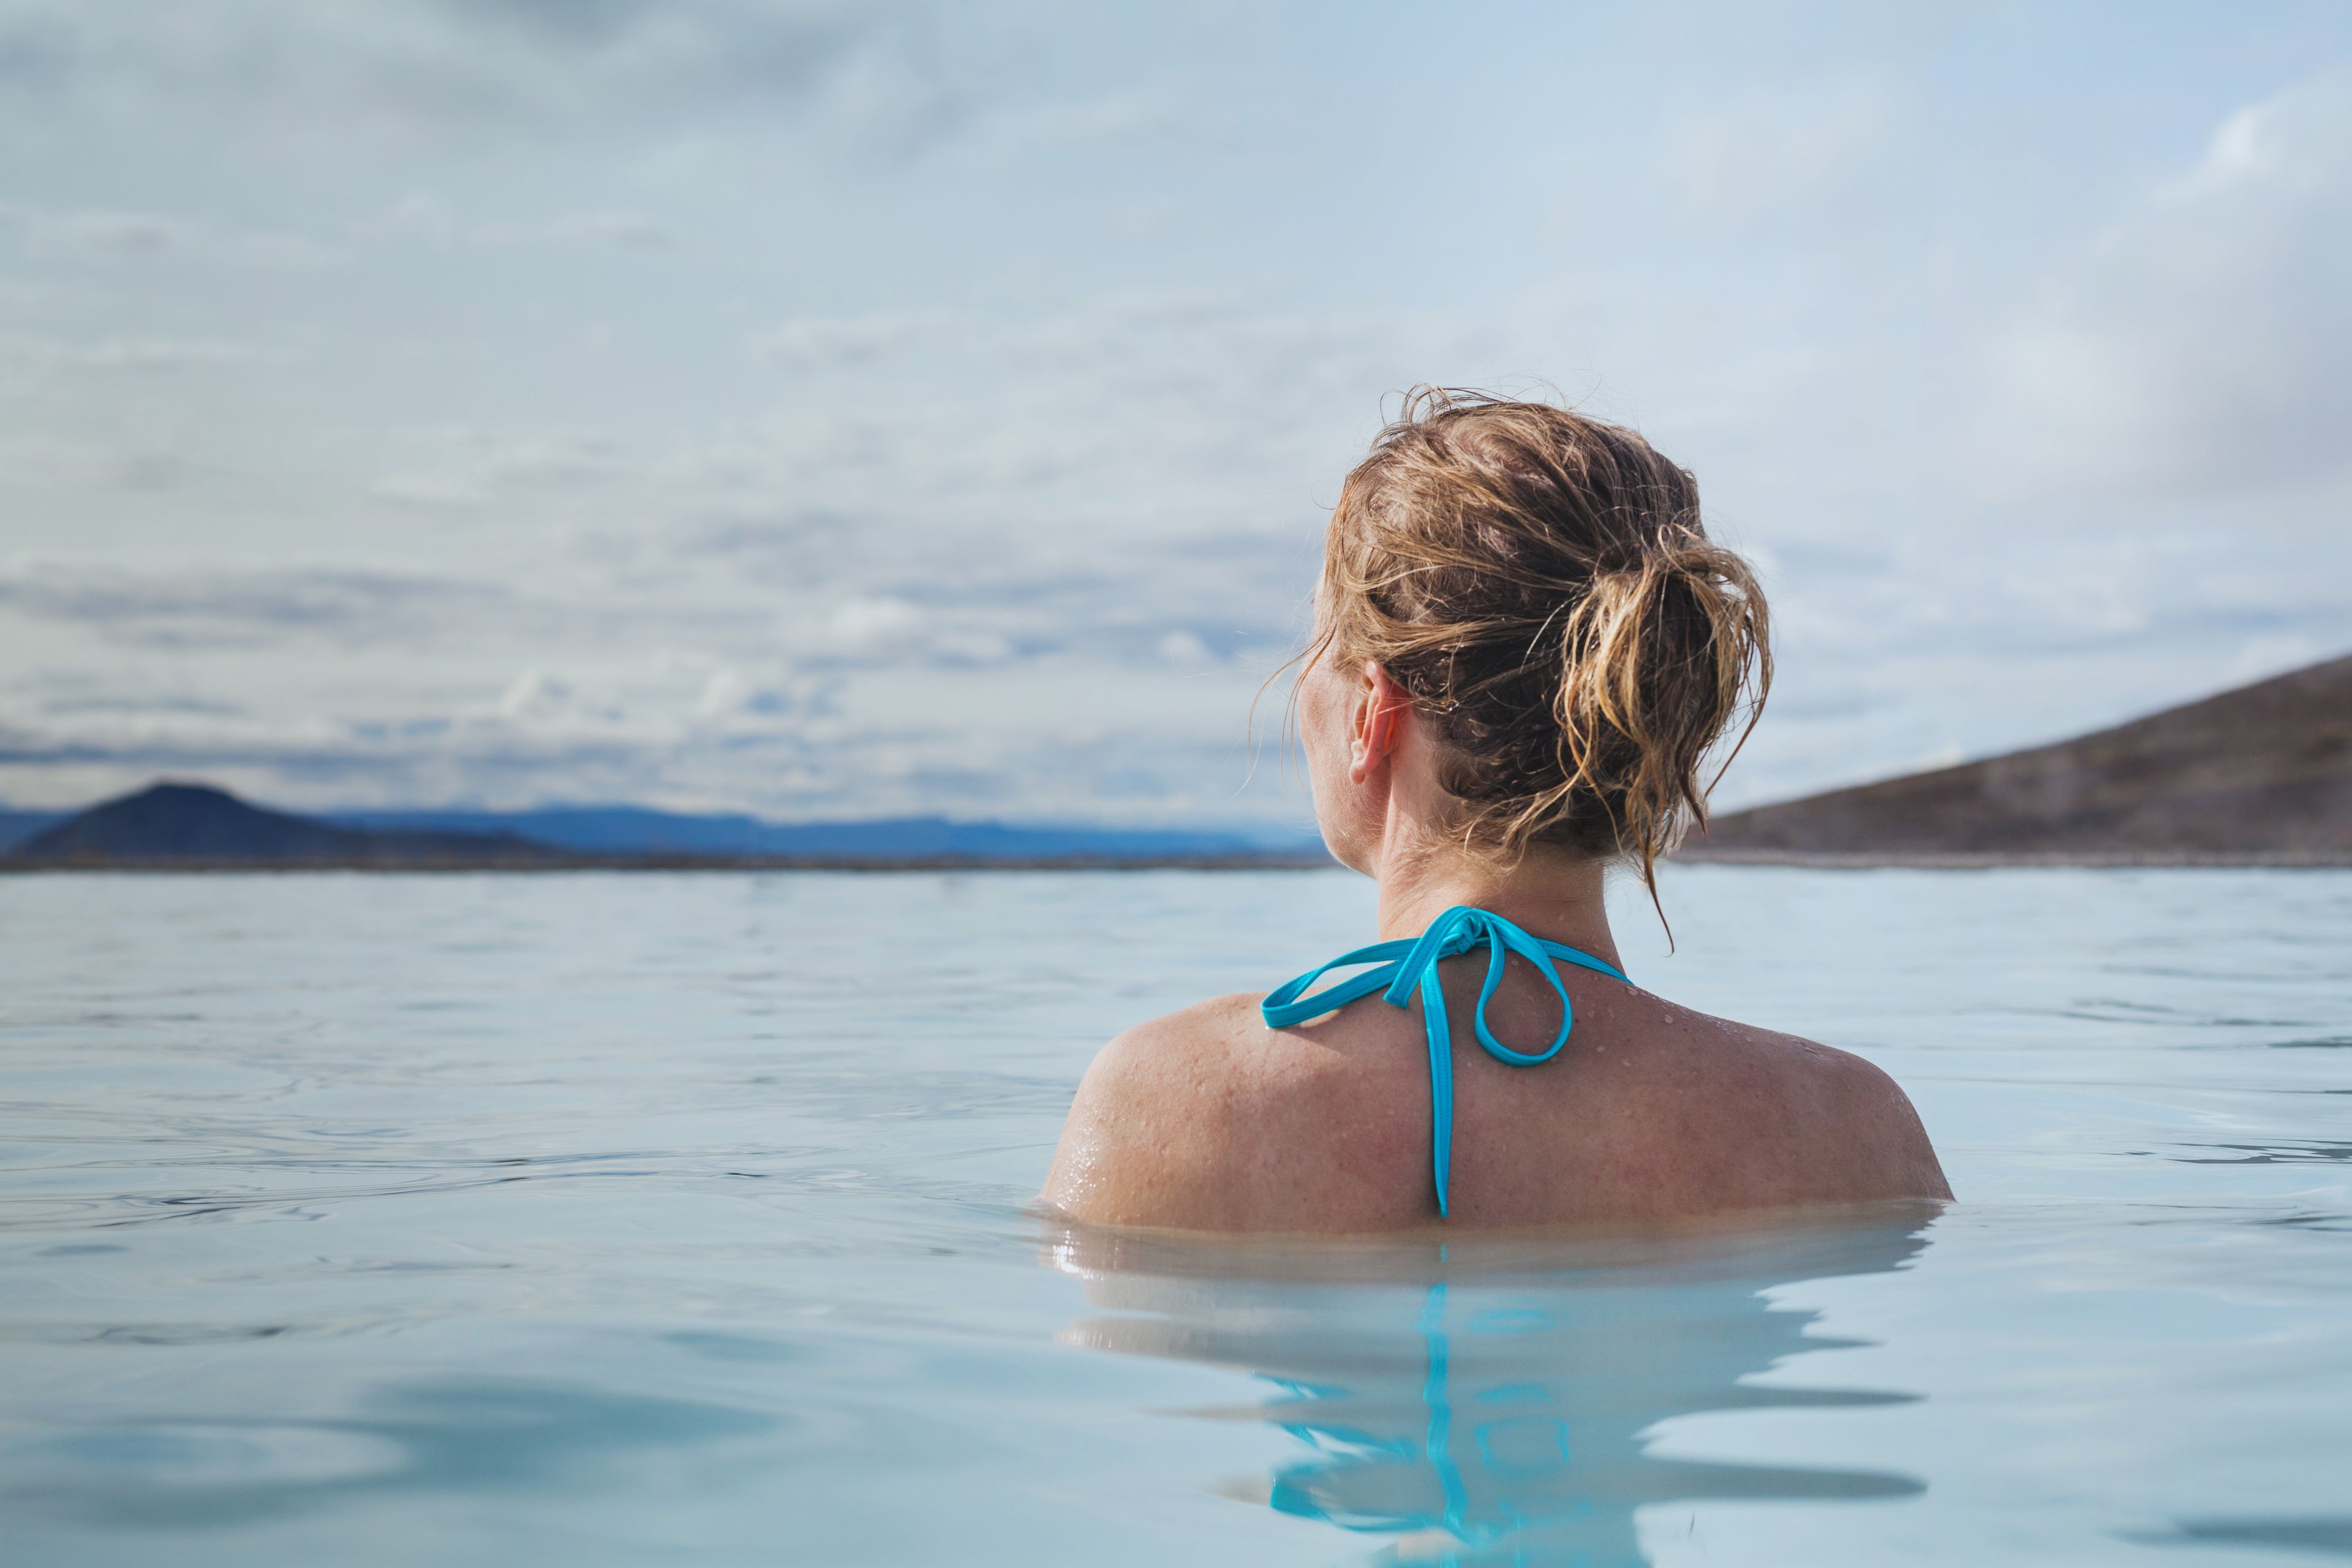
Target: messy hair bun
1540, 584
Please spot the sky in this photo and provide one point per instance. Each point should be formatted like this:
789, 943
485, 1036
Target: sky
830, 410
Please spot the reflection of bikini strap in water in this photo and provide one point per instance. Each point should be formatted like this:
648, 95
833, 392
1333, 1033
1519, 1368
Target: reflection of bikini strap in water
1511, 1470
1438, 1445
1404, 967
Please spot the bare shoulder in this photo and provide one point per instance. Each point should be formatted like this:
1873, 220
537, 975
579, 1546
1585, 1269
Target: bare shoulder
1207, 1120
1160, 1120
1856, 1132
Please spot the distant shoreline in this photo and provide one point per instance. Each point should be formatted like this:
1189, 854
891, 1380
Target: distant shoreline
1991, 860
674, 863
174, 825
1817, 861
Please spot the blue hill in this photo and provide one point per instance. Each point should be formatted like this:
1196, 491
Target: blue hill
640, 830
182, 823
15, 827
196, 824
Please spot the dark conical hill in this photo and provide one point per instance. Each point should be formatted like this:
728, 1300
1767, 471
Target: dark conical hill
2261, 774
197, 824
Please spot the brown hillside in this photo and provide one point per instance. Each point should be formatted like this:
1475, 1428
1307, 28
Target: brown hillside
2260, 774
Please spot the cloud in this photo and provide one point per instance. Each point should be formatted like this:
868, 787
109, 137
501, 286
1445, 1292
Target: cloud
1788, 154
1195, 408
176, 354
1124, 118
129, 236
1183, 647
143, 354
429, 218
465, 466
247, 609
831, 342
2198, 342
70, 693
1063, 743
441, 67
865, 624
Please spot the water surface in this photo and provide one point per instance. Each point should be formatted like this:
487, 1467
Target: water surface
620, 1219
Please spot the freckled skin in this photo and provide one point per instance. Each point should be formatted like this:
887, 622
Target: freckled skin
1207, 1120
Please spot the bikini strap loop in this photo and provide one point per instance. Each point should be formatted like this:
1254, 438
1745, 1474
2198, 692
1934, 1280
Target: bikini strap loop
1403, 968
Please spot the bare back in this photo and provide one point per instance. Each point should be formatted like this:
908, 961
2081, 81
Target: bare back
1207, 1120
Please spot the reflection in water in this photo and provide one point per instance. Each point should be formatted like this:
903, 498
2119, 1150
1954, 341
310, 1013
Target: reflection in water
1494, 1400
2325, 1536
485, 1437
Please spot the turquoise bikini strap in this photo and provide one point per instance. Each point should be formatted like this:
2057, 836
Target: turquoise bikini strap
1283, 1008
1403, 968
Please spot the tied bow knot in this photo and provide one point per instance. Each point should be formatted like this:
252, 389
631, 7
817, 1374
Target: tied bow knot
1405, 967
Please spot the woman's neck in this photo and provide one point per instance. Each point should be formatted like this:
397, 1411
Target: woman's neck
1548, 893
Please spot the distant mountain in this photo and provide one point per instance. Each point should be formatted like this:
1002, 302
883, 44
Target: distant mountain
15, 827
2259, 775
197, 824
638, 830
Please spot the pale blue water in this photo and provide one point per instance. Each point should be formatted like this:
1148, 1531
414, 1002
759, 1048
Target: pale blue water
647, 1219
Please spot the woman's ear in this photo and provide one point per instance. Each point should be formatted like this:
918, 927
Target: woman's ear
1381, 713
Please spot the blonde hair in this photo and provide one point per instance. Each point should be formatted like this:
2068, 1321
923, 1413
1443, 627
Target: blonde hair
1540, 584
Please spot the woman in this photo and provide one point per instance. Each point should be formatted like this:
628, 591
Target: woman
1526, 647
